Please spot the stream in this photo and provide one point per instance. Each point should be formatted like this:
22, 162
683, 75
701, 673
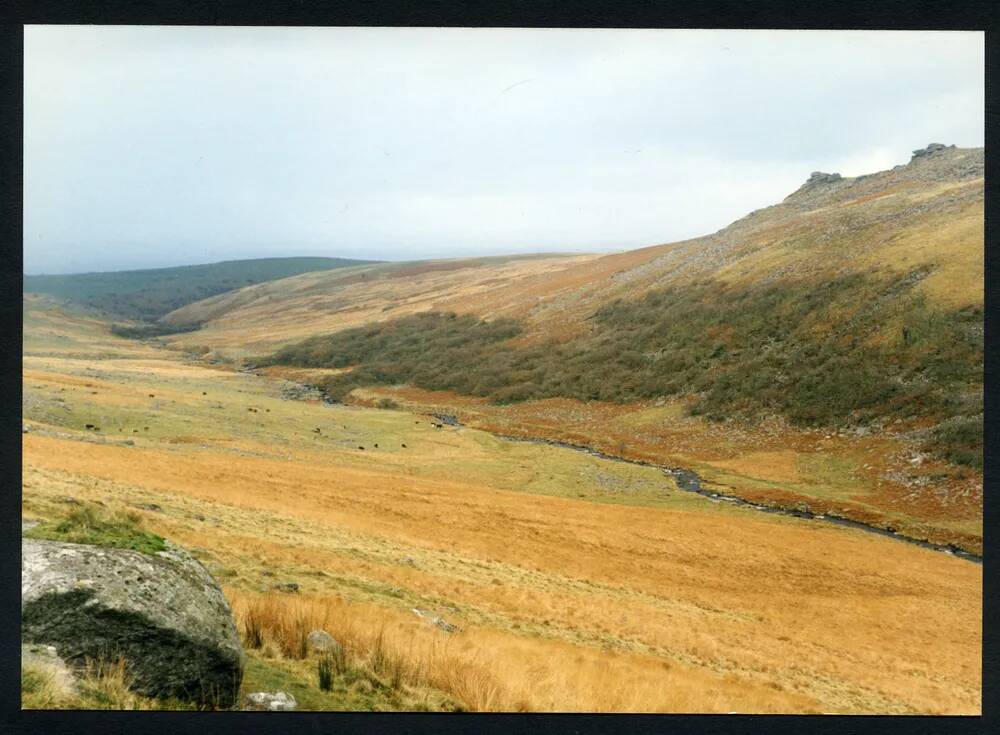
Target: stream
690, 481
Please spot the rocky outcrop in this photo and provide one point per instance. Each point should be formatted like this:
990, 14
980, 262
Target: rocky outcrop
819, 177
931, 149
163, 613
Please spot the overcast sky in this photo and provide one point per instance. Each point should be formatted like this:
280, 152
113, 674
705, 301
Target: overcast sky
156, 146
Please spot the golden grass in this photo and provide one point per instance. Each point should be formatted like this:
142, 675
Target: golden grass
677, 605
855, 475
42, 687
495, 672
263, 317
101, 685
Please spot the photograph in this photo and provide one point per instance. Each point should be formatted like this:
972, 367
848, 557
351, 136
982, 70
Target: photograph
501, 370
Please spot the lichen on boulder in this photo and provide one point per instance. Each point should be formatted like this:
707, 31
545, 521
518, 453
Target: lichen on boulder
163, 613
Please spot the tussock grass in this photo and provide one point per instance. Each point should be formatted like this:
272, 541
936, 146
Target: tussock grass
41, 688
277, 625
102, 684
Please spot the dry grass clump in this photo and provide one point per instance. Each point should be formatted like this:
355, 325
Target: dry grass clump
103, 684
43, 688
399, 655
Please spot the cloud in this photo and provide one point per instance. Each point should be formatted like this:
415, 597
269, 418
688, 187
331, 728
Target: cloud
163, 145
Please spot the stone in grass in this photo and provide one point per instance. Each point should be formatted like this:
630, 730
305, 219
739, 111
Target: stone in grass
436, 620
286, 587
320, 640
270, 702
162, 613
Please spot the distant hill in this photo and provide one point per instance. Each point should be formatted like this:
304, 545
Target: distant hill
855, 302
147, 295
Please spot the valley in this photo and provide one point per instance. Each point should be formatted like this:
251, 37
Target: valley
674, 479
575, 583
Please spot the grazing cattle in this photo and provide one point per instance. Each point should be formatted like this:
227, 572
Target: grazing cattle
89, 426
404, 446
204, 393
152, 395
376, 446
317, 431
361, 448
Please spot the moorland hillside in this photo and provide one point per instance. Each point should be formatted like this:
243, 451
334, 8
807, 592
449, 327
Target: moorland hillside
854, 303
147, 295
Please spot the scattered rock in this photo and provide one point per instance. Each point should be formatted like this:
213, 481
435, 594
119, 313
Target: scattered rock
286, 587
69, 500
408, 561
436, 620
320, 640
27, 525
270, 702
25, 428
163, 613
148, 506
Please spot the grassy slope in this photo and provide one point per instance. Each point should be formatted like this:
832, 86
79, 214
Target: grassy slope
814, 353
646, 599
258, 318
927, 215
150, 294
853, 302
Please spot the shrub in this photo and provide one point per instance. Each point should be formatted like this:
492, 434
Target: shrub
839, 352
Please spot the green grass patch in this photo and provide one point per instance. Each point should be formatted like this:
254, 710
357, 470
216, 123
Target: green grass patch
92, 525
350, 688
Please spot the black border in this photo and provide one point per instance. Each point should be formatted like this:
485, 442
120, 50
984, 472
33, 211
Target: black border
790, 14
